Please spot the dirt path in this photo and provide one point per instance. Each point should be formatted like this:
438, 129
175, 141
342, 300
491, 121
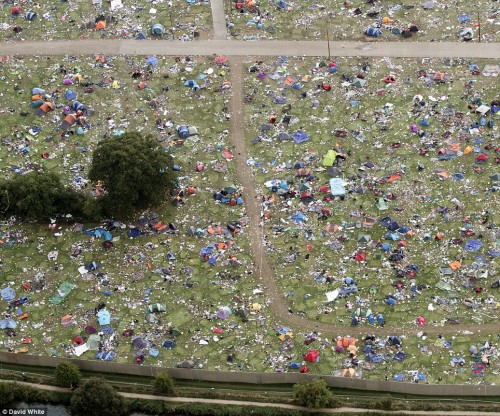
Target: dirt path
340, 410
256, 233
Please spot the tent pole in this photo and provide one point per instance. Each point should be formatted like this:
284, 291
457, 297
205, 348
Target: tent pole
328, 38
479, 27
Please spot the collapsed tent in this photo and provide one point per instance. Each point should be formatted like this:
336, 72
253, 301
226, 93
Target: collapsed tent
62, 293
157, 29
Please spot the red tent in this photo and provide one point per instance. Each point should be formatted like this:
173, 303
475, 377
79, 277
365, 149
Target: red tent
482, 157
360, 256
312, 356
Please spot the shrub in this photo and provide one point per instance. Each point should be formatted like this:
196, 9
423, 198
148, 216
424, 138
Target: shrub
313, 394
164, 384
67, 374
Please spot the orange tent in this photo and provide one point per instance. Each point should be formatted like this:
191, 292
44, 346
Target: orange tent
393, 178
100, 25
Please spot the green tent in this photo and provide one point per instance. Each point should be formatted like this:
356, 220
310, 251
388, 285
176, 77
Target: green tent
495, 177
62, 293
382, 205
358, 82
93, 342
443, 285
157, 307
329, 158
230, 189
364, 238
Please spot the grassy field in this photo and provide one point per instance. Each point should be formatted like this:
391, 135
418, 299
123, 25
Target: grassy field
195, 290
311, 20
67, 20
380, 115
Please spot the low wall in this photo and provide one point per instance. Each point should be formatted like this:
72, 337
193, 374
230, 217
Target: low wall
258, 378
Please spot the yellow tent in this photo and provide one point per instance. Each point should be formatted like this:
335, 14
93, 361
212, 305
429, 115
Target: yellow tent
256, 307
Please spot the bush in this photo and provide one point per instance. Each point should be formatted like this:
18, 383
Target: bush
95, 397
6, 394
164, 384
313, 394
67, 374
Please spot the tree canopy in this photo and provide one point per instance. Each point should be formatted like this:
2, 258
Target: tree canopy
134, 170
38, 195
95, 397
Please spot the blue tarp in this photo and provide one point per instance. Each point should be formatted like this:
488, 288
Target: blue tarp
298, 217
300, 136
8, 294
473, 245
294, 365
104, 317
373, 31
337, 187
105, 355
152, 60
8, 324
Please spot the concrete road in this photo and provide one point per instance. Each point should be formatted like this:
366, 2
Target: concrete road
254, 48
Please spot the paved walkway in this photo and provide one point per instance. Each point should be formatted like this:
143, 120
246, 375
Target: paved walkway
219, 19
257, 48
340, 410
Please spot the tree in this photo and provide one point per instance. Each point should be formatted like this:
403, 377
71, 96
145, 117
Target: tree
135, 171
313, 394
38, 195
164, 384
95, 397
67, 374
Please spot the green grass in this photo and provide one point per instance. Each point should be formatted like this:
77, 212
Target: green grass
63, 20
335, 112
311, 21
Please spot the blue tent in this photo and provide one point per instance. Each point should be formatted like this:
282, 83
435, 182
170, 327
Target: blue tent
298, 217
157, 29
134, 232
386, 247
140, 36
8, 324
37, 91
30, 16
168, 344
373, 31
154, 352
183, 131
193, 84
392, 236
70, 95
104, 317
399, 377
391, 301
152, 60
78, 106
8, 294
389, 223
294, 365
473, 245
300, 136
